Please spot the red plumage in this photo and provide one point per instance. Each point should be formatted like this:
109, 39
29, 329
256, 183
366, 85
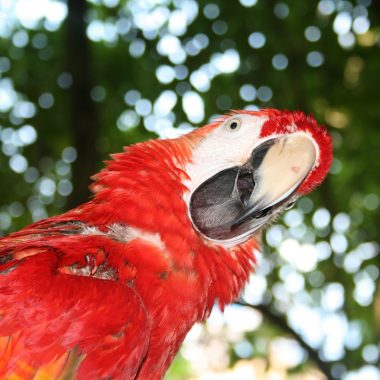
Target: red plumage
110, 289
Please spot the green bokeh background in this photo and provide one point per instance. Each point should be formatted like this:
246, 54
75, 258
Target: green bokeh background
66, 76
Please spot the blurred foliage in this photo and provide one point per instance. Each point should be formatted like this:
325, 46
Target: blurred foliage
157, 66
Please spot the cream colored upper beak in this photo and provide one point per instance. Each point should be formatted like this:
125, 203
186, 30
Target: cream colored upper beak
284, 167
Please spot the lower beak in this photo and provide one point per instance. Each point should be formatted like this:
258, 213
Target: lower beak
238, 201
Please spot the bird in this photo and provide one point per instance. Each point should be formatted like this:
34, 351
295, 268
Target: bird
109, 289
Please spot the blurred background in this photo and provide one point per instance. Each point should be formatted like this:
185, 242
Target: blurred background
80, 79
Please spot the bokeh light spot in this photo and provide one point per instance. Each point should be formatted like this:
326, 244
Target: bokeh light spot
256, 40
312, 33
247, 92
18, 163
193, 106
315, 59
280, 61
281, 10
46, 100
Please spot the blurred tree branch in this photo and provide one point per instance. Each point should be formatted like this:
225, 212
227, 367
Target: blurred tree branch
83, 114
281, 322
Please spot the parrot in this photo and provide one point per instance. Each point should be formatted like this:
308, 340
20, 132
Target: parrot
110, 289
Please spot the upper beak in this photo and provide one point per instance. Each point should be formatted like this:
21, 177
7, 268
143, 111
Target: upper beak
280, 166
237, 201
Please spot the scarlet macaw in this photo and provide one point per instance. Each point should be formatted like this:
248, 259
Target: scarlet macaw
109, 289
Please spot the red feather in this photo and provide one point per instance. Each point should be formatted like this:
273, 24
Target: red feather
77, 300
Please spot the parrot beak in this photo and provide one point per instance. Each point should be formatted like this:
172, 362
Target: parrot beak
236, 202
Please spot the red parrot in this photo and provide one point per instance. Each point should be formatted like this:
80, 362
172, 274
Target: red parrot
109, 289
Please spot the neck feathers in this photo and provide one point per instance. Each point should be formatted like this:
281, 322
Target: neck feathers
143, 188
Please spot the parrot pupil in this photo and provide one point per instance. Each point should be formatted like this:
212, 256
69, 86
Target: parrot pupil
234, 125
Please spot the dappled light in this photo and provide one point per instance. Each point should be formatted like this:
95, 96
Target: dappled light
160, 68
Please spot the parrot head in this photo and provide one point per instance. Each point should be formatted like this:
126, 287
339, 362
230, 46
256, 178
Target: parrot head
249, 166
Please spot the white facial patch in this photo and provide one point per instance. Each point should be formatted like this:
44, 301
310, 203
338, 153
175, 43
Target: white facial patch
239, 181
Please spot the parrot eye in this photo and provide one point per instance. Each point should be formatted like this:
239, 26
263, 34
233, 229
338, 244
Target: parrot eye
233, 125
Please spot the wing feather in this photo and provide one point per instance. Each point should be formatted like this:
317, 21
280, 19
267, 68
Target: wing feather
64, 313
